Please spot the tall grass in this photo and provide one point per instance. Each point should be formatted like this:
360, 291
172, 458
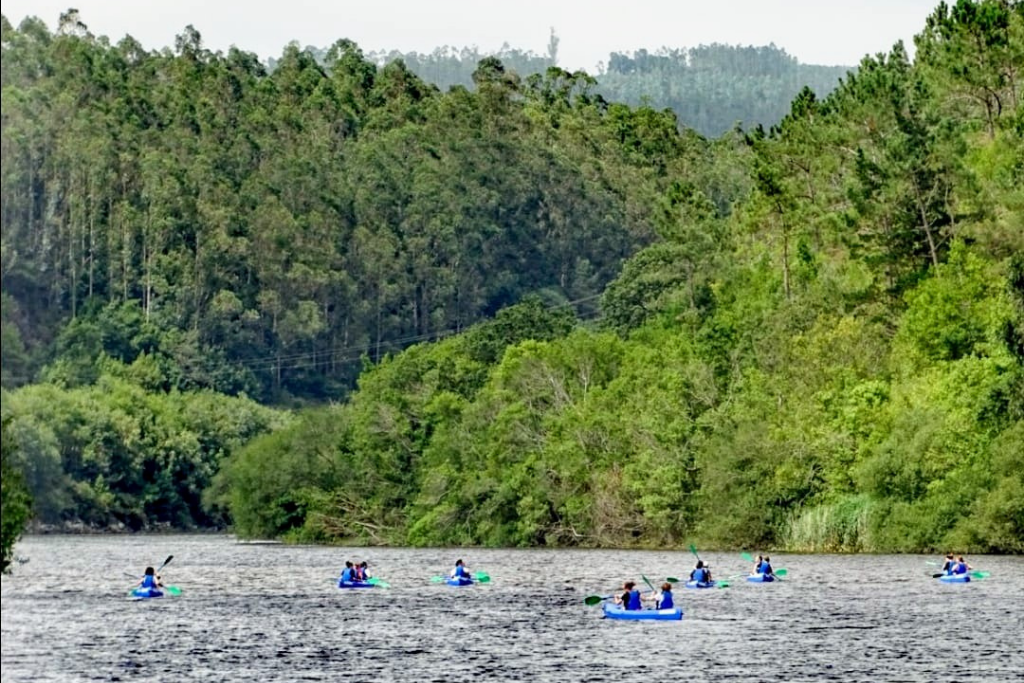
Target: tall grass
843, 526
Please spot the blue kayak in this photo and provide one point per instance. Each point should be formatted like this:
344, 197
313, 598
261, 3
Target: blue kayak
460, 581
702, 584
955, 578
356, 584
760, 578
612, 611
145, 593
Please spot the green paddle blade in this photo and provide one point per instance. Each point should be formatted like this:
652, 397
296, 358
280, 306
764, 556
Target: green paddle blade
172, 590
693, 549
980, 575
781, 572
592, 600
647, 582
722, 584
377, 582
932, 563
482, 577
671, 579
747, 557
437, 579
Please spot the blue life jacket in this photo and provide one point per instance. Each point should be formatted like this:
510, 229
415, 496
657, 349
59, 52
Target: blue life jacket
666, 600
460, 572
347, 575
700, 575
959, 568
634, 600
765, 568
149, 581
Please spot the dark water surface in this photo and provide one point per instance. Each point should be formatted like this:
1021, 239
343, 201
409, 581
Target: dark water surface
271, 613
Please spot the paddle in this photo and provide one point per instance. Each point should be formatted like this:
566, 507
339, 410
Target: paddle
747, 557
378, 582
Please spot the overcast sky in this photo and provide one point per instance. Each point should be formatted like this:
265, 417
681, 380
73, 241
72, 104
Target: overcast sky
814, 31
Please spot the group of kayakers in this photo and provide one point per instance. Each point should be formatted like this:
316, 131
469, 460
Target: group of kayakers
763, 565
952, 567
632, 599
360, 573
353, 573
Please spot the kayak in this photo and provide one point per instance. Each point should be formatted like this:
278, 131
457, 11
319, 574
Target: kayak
613, 612
144, 593
760, 578
356, 584
702, 584
461, 581
955, 578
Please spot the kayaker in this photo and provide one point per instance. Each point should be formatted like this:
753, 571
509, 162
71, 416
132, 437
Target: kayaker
757, 565
150, 580
947, 566
362, 571
460, 571
766, 567
348, 574
664, 600
960, 566
630, 598
701, 573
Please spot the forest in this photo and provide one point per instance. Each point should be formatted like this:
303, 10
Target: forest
710, 88
328, 302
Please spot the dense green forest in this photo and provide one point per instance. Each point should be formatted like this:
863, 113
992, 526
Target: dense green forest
570, 322
711, 88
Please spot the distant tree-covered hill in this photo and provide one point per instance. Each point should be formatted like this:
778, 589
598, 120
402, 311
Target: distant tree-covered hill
711, 88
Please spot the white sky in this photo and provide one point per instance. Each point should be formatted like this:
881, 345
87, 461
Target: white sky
814, 31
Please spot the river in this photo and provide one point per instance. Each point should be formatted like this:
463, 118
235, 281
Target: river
271, 613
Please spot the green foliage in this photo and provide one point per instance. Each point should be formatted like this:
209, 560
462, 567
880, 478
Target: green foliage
17, 503
805, 336
115, 452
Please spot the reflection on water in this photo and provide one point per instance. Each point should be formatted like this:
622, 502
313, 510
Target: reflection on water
272, 613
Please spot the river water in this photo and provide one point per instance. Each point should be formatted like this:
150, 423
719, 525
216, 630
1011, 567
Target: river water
271, 613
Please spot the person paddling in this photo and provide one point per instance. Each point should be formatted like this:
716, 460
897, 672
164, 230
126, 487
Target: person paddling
630, 598
150, 580
757, 565
664, 599
960, 566
460, 571
701, 573
348, 574
947, 565
766, 567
